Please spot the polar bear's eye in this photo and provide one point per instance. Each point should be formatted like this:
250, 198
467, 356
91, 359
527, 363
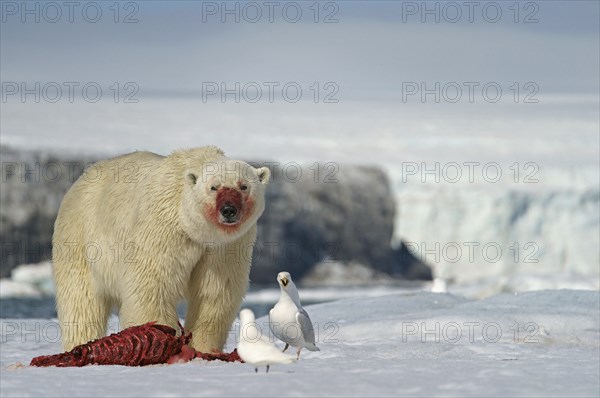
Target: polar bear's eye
243, 187
213, 188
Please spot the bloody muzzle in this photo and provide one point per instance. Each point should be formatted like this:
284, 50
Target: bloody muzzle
229, 205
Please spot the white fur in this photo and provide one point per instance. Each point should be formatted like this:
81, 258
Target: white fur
132, 233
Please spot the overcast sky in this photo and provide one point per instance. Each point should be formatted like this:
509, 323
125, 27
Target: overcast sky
369, 52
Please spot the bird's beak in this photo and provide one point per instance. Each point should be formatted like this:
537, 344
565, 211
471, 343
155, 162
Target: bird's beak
284, 281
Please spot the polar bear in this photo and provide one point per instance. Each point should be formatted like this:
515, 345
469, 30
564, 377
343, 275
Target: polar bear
141, 232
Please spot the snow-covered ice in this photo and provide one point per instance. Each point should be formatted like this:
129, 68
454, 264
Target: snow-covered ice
544, 343
28, 280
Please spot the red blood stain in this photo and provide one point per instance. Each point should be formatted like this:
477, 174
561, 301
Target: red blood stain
229, 195
241, 200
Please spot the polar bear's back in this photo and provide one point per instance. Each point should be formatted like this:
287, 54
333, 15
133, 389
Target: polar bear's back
110, 186
115, 196
102, 205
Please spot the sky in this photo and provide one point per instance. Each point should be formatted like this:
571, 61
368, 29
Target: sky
367, 48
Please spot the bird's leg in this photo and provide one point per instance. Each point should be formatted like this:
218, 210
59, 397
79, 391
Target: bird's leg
286, 347
255, 370
267, 368
298, 352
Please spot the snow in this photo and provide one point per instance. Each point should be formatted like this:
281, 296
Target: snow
10, 288
544, 343
32, 273
28, 280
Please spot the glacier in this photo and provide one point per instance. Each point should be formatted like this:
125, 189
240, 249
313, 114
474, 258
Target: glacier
505, 240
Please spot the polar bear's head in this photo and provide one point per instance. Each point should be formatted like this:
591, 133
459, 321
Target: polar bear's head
222, 199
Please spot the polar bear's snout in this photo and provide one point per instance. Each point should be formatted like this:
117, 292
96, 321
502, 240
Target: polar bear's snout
229, 213
230, 205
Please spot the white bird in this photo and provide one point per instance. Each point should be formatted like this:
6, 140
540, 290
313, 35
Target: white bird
289, 322
255, 348
439, 286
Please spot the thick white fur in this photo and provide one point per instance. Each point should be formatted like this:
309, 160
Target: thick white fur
131, 233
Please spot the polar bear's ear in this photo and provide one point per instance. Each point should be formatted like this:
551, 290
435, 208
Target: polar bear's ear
191, 178
264, 175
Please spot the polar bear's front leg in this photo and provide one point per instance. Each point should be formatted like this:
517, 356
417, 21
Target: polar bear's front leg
217, 287
149, 298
